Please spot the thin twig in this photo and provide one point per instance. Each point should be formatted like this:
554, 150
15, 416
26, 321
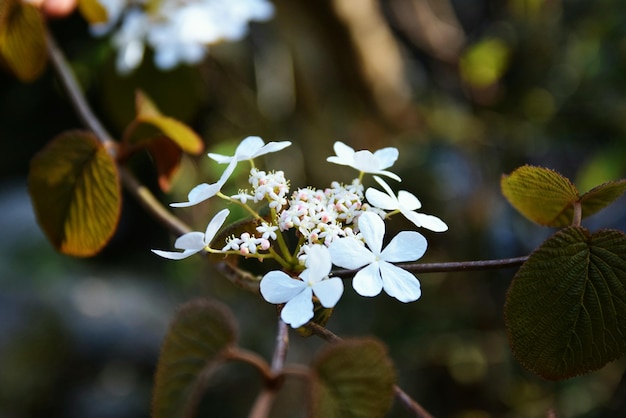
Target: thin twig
282, 345
140, 192
264, 401
409, 403
76, 95
451, 266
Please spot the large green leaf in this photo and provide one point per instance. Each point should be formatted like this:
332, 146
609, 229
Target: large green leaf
22, 39
200, 331
540, 194
566, 307
74, 187
353, 379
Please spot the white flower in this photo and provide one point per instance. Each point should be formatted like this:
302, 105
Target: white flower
378, 273
364, 160
194, 242
250, 148
278, 287
406, 203
204, 191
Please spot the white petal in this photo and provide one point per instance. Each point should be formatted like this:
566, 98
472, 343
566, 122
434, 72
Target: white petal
406, 246
199, 194
271, 147
248, 147
339, 160
381, 200
175, 255
221, 159
408, 200
299, 310
214, 226
367, 282
386, 156
278, 287
372, 227
385, 186
329, 291
190, 241
318, 262
426, 221
399, 283
388, 174
349, 253
342, 150
365, 161
227, 173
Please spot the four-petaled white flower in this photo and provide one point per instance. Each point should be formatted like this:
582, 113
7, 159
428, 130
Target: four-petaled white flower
250, 148
406, 203
365, 161
378, 272
194, 242
278, 287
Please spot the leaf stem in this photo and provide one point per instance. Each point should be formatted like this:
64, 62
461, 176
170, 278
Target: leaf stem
578, 214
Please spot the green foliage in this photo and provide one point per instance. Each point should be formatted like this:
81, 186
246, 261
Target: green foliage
22, 39
540, 194
74, 187
566, 306
199, 333
547, 198
353, 379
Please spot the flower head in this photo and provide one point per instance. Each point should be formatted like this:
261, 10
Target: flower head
378, 272
194, 242
365, 161
278, 287
406, 203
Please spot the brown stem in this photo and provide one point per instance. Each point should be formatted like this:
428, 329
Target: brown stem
140, 192
578, 214
451, 266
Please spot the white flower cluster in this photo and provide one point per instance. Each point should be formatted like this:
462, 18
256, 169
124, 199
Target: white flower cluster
341, 225
178, 31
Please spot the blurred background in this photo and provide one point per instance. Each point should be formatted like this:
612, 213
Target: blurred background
466, 90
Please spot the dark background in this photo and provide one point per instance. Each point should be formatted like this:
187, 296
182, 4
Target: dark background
467, 90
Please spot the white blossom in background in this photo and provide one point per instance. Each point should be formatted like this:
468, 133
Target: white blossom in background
297, 293
177, 31
377, 271
405, 203
365, 161
194, 242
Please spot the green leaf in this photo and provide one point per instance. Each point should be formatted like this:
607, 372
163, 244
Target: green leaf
602, 196
93, 11
151, 123
199, 333
74, 187
353, 379
22, 39
540, 194
566, 307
